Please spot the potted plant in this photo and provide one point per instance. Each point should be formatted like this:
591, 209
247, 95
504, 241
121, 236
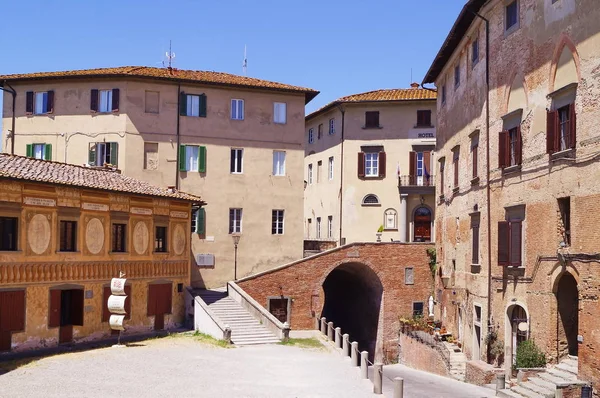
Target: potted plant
530, 358
379, 232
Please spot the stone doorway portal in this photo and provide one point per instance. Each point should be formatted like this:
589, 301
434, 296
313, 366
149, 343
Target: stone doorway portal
567, 298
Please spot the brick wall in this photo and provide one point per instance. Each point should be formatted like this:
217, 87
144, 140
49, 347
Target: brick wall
420, 356
481, 373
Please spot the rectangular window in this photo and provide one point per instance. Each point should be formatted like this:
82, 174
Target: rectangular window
457, 75
474, 152
237, 109
475, 51
372, 119
237, 158
105, 103
310, 174
277, 222
509, 243
280, 112
39, 151
278, 163
160, 239
67, 236
318, 227
475, 240
564, 206
235, 221
330, 168
512, 15
442, 168
424, 118
456, 169
477, 314
331, 126
419, 164
444, 94
372, 164
512, 146
320, 131
8, 233
119, 238
330, 227
409, 276
319, 171
191, 157
311, 136
101, 153
41, 103
418, 309
193, 105
199, 221
152, 102
563, 128
150, 156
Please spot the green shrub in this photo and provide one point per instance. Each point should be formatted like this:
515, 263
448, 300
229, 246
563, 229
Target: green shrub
530, 356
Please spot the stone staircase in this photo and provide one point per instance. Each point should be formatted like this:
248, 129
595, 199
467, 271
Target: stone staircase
544, 384
245, 329
458, 362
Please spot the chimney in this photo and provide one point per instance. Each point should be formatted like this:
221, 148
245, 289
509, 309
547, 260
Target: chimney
414, 85
171, 189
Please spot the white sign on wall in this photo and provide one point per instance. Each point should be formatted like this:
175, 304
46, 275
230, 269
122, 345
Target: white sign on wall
205, 260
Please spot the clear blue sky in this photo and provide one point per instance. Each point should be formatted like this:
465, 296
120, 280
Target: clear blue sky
334, 46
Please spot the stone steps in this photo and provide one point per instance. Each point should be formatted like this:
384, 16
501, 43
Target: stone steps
544, 384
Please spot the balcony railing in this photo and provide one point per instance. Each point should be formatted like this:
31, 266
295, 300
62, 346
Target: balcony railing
416, 181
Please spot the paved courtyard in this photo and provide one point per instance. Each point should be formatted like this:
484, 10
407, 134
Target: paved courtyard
182, 366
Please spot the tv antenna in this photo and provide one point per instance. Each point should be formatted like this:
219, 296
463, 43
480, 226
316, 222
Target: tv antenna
170, 56
245, 63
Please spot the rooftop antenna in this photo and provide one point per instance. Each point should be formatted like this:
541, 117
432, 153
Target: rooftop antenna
170, 56
245, 64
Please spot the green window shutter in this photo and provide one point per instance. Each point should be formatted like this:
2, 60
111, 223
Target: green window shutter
182, 104
48, 152
201, 221
92, 153
182, 162
114, 153
202, 105
29, 151
202, 159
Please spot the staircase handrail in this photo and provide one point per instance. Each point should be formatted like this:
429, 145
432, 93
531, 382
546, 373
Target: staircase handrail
214, 326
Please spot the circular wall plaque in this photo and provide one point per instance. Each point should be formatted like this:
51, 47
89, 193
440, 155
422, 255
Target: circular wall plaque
140, 237
94, 236
38, 233
179, 240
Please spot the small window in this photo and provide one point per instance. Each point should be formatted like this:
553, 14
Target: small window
457, 75
475, 239
235, 221
199, 221
444, 94
564, 124
194, 219
330, 227
68, 236
455, 161
119, 238
150, 156
280, 112
39, 151
372, 164
318, 227
277, 222
319, 171
237, 109
475, 52
442, 168
320, 131
418, 309
331, 126
564, 206
370, 200
330, 168
41, 103
477, 313
278, 163
311, 136
105, 101
409, 277
424, 118
152, 102
191, 157
237, 157
310, 174
101, 153
474, 159
193, 105
372, 119
160, 239
8, 233
512, 15
513, 146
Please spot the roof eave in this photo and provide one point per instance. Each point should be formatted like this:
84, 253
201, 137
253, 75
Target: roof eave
328, 107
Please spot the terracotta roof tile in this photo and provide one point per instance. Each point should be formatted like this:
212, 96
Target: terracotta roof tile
29, 169
384, 95
195, 76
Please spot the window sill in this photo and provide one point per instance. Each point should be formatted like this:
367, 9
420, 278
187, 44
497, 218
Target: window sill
511, 169
423, 126
441, 197
280, 123
455, 189
237, 174
475, 268
511, 30
475, 181
371, 127
567, 154
10, 251
370, 204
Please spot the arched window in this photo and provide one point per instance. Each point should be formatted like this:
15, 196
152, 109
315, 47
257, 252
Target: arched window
390, 219
370, 200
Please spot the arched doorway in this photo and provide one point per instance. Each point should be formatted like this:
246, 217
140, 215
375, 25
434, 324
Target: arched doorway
518, 329
422, 224
353, 294
567, 299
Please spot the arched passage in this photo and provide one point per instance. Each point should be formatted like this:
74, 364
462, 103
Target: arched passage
353, 294
567, 299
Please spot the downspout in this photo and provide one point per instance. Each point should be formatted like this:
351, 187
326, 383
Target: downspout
178, 136
343, 112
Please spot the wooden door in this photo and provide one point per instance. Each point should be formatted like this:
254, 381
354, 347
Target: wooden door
159, 321
278, 307
65, 334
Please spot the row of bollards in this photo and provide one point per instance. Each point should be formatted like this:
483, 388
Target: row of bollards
350, 349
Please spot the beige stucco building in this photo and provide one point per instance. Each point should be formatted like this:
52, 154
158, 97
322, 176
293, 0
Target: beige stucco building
518, 193
236, 140
368, 162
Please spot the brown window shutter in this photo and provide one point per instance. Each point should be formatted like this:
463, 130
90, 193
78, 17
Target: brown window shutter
442, 167
502, 149
115, 100
475, 151
475, 248
361, 164
105, 296
128, 301
412, 167
519, 147
167, 296
515, 243
551, 131
152, 299
503, 242
572, 125
54, 308
426, 167
29, 103
77, 307
12, 310
382, 164
94, 100
50, 102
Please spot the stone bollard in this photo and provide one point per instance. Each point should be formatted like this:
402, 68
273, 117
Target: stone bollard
364, 365
354, 354
286, 332
346, 344
324, 325
227, 334
398, 387
500, 382
330, 331
378, 378
338, 337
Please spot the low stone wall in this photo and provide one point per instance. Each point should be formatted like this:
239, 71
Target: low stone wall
418, 355
481, 373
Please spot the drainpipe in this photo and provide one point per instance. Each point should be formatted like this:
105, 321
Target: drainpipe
14, 98
343, 112
178, 136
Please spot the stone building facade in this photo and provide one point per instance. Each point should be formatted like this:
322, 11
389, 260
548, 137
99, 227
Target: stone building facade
237, 140
368, 162
517, 192
65, 231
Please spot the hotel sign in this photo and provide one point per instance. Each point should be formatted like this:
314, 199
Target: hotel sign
39, 202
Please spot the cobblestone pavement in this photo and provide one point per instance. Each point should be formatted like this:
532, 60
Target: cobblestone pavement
181, 366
